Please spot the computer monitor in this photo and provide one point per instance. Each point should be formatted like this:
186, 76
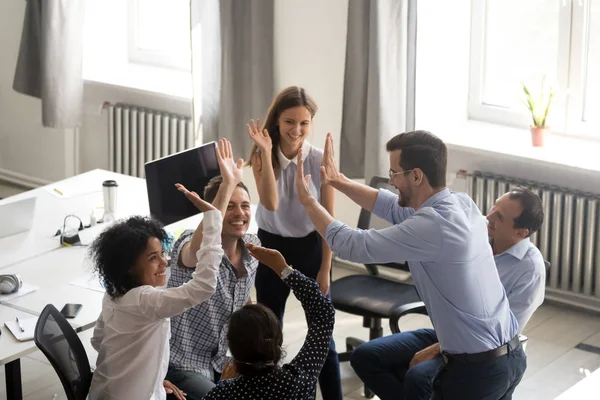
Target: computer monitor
192, 168
17, 216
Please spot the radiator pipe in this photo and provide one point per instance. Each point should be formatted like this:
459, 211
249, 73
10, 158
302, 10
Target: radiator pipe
567, 242
588, 247
557, 202
578, 230
544, 234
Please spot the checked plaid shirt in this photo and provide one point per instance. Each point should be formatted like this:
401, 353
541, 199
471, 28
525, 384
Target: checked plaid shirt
199, 335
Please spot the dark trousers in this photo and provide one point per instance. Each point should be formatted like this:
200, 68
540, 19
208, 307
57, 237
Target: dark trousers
194, 384
383, 365
305, 255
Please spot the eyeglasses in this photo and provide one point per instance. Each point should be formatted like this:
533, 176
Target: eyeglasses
393, 174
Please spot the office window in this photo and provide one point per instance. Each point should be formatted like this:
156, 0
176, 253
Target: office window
514, 41
159, 33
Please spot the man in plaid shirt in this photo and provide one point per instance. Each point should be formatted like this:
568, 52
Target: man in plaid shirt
198, 336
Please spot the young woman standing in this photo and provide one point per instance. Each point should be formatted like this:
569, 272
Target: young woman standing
282, 220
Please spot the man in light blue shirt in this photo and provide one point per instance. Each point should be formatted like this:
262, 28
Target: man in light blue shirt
444, 238
403, 366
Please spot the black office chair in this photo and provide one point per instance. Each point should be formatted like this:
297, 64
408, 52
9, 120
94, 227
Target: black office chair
371, 296
55, 337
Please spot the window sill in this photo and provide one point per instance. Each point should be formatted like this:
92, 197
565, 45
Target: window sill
480, 137
162, 81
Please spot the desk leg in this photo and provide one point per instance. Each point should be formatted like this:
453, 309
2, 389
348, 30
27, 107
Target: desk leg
14, 391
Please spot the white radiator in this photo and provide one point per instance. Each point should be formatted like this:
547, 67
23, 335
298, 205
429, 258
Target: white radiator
137, 135
569, 237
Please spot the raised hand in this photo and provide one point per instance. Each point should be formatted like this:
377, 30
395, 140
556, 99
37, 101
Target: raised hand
302, 182
230, 170
329, 171
200, 204
269, 257
262, 139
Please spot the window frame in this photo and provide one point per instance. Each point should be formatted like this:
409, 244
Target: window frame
567, 107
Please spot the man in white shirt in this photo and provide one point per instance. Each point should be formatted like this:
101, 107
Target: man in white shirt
403, 366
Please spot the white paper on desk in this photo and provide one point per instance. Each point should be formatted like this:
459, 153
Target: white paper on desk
28, 325
89, 282
26, 288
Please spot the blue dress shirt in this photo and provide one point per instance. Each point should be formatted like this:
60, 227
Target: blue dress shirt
446, 245
523, 275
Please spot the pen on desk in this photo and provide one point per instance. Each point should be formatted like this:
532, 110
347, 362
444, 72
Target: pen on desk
58, 191
19, 324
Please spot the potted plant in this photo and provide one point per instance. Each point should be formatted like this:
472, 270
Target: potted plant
538, 107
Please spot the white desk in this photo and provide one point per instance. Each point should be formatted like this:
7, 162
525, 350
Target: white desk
40, 260
51, 210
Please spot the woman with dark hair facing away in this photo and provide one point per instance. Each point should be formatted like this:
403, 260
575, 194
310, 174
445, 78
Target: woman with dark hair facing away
132, 332
282, 221
255, 340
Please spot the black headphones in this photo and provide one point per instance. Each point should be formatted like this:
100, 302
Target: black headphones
10, 283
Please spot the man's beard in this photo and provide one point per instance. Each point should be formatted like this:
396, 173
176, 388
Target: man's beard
403, 199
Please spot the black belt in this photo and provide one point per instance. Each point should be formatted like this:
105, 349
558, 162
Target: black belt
478, 357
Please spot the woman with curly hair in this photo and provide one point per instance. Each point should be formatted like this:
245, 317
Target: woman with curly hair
132, 332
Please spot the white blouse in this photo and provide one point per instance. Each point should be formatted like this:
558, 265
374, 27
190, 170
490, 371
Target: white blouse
132, 333
290, 219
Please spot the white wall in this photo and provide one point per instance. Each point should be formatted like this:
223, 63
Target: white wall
27, 150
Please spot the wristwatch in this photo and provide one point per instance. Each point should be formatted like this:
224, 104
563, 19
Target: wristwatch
287, 271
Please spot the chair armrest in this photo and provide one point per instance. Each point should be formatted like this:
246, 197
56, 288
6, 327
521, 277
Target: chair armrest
405, 309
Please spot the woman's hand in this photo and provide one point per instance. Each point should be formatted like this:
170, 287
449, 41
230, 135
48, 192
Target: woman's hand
230, 170
302, 182
174, 390
269, 257
261, 139
329, 172
200, 204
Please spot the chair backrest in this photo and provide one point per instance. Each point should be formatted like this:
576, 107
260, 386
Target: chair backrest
368, 220
55, 337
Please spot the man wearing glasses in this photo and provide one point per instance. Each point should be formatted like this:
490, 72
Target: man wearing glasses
444, 238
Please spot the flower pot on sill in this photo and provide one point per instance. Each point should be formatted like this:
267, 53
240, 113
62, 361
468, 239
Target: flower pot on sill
537, 135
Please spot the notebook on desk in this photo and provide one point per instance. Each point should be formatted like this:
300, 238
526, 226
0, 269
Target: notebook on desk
28, 325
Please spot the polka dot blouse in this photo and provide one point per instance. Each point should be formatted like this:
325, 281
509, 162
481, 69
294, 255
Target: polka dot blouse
296, 380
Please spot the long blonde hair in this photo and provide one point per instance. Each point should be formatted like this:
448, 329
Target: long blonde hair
289, 97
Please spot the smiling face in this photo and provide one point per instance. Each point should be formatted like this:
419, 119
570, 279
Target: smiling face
501, 220
151, 265
294, 127
237, 216
401, 180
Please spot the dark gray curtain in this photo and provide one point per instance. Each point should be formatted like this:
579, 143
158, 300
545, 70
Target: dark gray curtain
237, 67
375, 84
50, 60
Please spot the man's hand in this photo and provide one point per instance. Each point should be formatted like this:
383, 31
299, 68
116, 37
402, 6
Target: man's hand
329, 172
269, 257
324, 281
430, 353
230, 170
261, 139
200, 204
174, 390
303, 182
229, 372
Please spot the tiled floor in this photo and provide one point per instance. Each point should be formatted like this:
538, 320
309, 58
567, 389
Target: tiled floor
7, 190
555, 365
